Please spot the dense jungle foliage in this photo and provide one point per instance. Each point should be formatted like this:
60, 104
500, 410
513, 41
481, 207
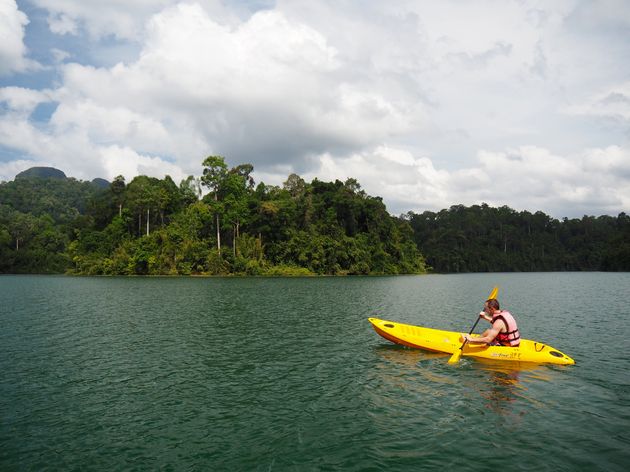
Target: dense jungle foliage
485, 239
51, 224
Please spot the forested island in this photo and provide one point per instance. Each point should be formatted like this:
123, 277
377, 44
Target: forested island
50, 223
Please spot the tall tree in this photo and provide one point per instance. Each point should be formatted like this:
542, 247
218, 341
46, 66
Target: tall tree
214, 175
238, 186
190, 190
117, 188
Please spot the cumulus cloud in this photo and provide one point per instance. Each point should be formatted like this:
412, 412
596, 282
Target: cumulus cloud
127, 162
613, 104
62, 24
266, 91
72, 142
22, 100
12, 49
12, 168
123, 19
427, 104
59, 55
529, 178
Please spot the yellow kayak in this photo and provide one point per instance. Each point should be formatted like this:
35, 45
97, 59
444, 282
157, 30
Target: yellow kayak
449, 341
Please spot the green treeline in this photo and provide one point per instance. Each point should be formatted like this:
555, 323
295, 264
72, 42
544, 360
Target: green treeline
480, 238
152, 227
38, 219
53, 224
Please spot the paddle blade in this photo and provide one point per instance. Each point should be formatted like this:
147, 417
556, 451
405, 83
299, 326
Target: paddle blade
494, 293
455, 357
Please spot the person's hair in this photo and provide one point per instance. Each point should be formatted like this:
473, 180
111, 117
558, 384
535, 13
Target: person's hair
493, 303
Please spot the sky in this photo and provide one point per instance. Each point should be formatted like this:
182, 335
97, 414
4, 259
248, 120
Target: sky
427, 104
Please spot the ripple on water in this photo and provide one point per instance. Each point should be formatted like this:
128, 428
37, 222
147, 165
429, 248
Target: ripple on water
287, 374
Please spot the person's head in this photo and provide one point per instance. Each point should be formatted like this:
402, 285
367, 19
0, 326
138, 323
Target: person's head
491, 306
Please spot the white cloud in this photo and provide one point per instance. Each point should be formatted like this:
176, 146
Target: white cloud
613, 103
60, 55
81, 157
238, 91
127, 162
105, 125
74, 139
123, 19
12, 49
613, 162
426, 103
62, 24
527, 178
22, 100
10, 169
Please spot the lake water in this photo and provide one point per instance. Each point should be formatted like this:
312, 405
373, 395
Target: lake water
264, 374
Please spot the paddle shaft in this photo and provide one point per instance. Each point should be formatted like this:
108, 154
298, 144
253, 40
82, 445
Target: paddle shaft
457, 354
493, 294
470, 332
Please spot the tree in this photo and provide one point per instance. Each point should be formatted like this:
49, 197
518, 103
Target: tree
214, 175
117, 188
141, 196
190, 190
238, 187
21, 228
295, 185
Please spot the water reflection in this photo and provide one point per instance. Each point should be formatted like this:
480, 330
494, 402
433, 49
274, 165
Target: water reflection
502, 390
501, 386
404, 357
507, 383
408, 375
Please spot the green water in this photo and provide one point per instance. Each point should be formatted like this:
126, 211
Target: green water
287, 374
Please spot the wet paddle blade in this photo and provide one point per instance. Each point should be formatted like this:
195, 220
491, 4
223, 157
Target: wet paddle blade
455, 357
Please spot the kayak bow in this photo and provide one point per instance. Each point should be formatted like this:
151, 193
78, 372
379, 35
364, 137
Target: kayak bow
449, 341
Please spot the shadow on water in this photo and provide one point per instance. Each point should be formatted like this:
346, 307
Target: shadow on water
499, 384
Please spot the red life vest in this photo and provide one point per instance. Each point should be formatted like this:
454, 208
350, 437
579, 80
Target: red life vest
511, 337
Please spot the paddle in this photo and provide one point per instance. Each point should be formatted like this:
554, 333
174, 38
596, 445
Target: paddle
457, 354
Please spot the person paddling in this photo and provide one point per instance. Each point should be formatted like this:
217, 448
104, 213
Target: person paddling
504, 330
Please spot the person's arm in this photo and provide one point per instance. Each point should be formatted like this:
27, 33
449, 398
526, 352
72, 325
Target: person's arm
485, 316
489, 335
